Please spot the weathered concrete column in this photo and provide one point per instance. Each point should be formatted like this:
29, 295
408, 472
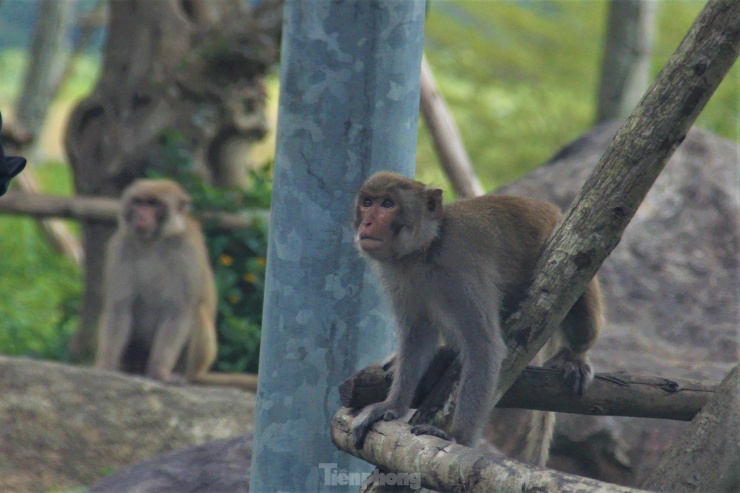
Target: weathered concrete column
348, 107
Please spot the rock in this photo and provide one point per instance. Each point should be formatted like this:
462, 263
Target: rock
63, 426
670, 291
706, 457
214, 467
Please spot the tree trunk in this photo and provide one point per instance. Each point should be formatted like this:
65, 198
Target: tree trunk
625, 69
49, 52
191, 70
48, 57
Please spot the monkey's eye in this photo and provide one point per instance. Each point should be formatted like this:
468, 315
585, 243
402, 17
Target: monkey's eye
367, 202
145, 201
387, 203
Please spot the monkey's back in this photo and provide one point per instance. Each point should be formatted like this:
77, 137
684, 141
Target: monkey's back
508, 231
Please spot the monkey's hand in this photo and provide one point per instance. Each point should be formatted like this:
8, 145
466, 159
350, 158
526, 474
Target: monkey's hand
430, 430
369, 416
577, 371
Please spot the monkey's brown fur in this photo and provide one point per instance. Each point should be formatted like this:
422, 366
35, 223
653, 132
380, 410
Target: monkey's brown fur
160, 296
451, 272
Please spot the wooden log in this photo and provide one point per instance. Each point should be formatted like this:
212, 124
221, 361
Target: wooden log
611, 394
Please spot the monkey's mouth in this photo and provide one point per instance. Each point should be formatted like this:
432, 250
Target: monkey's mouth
369, 243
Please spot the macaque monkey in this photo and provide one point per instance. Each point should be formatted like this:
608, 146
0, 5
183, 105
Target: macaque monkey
160, 295
453, 272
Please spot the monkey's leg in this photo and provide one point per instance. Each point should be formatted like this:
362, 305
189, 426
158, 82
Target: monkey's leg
113, 337
481, 365
172, 335
202, 347
417, 345
579, 331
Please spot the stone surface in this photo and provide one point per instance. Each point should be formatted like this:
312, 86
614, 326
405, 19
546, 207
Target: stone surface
670, 292
214, 467
63, 426
706, 457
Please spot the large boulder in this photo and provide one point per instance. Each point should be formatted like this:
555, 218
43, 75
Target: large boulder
63, 426
214, 467
706, 457
670, 291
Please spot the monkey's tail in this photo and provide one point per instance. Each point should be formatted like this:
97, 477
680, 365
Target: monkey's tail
541, 428
539, 436
244, 381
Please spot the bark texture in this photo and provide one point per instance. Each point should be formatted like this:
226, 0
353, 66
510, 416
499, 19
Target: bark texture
445, 466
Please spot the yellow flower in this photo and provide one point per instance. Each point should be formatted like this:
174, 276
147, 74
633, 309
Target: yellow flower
250, 278
234, 299
261, 261
225, 260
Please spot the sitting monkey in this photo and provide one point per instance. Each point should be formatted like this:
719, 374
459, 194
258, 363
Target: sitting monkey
160, 295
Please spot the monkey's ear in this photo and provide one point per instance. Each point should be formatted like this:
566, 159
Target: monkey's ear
183, 204
434, 203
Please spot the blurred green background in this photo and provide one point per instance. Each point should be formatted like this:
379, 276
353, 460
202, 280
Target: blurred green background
519, 76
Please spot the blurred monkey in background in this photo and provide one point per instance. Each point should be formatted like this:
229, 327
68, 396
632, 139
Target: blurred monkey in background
160, 295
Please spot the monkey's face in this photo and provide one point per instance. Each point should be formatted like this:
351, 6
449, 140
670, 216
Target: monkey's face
145, 216
377, 219
395, 216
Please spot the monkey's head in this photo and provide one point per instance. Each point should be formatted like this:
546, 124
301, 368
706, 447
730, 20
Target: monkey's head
153, 209
395, 216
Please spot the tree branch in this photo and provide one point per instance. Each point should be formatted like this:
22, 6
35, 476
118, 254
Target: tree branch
447, 141
611, 394
445, 466
100, 209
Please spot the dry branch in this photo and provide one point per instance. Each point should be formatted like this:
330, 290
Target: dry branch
57, 233
100, 209
611, 394
445, 466
447, 141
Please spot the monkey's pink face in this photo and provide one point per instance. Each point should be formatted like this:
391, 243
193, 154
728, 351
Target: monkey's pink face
377, 217
145, 215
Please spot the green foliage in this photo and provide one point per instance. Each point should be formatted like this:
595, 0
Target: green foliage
521, 78
40, 288
80, 81
238, 256
12, 63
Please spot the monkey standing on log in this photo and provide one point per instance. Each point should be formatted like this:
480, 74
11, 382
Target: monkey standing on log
160, 294
451, 271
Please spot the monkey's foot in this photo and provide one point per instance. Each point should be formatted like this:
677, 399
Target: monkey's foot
368, 417
175, 380
577, 372
429, 430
